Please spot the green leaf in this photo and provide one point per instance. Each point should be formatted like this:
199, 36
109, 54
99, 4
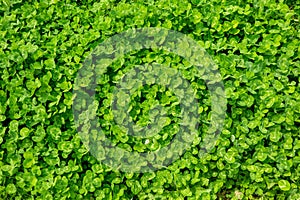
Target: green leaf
11, 188
50, 63
284, 185
278, 85
275, 136
24, 132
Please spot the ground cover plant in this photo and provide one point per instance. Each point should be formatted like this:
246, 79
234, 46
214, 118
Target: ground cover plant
255, 44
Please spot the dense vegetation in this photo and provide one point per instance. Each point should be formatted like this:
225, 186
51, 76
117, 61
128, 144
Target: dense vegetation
256, 46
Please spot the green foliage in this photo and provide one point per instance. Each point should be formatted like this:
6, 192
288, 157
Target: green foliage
256, 45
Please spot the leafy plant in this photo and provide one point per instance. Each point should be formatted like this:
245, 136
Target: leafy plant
256, 47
